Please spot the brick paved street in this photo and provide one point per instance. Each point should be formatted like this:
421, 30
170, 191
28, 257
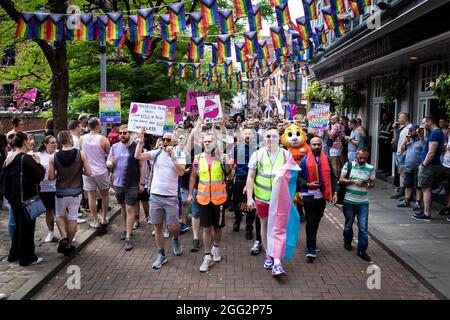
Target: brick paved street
108, 272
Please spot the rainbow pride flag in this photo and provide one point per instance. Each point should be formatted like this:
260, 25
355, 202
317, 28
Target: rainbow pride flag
271, 67
115, 26
119, 43
305, 71
251, 42
305, 32
177, 17
241, 54
133, 28
321, 34
196, 70
210, 11
254, 19
357, 7
25, 25
196, 49
295, 48
198, 25
143, 46
164, 21
243, 7
84, 30
239, 86
49, 27
168, 70
228, 67
100, 23
224, 46
214, 52
182, 70
213, 69
330, 18
169, 49
283, 15
245, 66
338, 6
259, 71
279, 39
263, 52
229, 83
367, 3
40, 26
226, 21
145, 22
310, 9
238, 76
273, 81
275, 3
262, 63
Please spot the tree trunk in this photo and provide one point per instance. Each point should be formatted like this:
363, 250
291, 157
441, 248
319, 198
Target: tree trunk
60, 87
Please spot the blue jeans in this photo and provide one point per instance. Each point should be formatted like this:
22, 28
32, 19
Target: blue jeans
361, 211
11, 223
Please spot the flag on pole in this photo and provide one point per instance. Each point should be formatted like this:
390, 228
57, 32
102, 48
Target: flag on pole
145, 22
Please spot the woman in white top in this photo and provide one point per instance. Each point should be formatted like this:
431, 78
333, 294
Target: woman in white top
48, 188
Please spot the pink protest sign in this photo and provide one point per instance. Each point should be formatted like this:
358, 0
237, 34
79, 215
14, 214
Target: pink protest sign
191, 100
173, 103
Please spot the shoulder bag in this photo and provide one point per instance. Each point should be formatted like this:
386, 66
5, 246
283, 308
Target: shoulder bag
33, 207
342, 188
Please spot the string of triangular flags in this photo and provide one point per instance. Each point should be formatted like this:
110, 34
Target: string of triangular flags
115, 28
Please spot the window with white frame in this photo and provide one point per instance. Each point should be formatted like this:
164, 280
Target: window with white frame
377, 88
428, 74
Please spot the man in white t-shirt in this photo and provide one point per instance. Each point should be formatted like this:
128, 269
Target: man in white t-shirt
75, 131
168, 166
401, 131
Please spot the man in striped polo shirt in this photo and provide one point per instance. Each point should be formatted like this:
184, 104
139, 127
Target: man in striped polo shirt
356, 201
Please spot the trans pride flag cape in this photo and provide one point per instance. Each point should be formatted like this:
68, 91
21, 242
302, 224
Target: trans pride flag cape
283, 224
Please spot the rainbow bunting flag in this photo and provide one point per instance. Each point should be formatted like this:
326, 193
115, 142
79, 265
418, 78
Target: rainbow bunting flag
198, 25
241, 54
40, 26
245, 66
164, 21
281, 59
321, 34
49, 27
84, 30
25, 25
262, 81
262, 63
168, 70
254, 19
196, 49
224, 46
238, 76
214, 52
243, 7
305, 71
283, 15
279, 39
230, 83
270, 67
332, 22
226, 21
251, 42
310, 9
169, 49
101, 23
143, 46
239, 86
213, 69
357, 7
119, 43
182, 70
145, 22
228, 66
276, 3
196, 70
273, 81
115, 26
259, 71
263, 52
210, 11
133, 28
177, 17
367, 3
338, 6
305, 32
296, 48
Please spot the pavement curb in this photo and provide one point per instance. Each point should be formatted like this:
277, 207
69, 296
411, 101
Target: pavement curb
404, 260
54, 265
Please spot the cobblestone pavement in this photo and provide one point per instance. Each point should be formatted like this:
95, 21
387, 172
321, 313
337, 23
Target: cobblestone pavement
13, 276
108, 272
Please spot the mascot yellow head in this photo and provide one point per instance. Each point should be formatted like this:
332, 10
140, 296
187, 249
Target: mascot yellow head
293, 137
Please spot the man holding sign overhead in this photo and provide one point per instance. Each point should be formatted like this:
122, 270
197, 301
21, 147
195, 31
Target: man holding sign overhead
168, 165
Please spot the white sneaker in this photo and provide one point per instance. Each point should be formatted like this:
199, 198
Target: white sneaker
149, 221
74, 240
207, 263
153, 233
166, 233
443, 192
215, 251
80, 220
39, 260
136, 225
49, 237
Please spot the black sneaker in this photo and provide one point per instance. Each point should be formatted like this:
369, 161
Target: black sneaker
348, 246
236, 227
62, 245
69, 251
248, 235
128, 245
364, 256
195, 245
421, 217
397, 196
311, 253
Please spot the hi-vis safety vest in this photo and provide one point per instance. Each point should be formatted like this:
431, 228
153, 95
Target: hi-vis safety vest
265, 174
211, 184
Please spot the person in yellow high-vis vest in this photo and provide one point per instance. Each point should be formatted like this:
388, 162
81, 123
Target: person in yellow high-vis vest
212, 171
262, 166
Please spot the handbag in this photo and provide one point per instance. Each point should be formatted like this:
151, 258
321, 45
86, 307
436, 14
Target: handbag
330, 142
342, 188
33, 207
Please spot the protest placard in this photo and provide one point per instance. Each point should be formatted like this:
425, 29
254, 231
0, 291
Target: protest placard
109, 107
210, 108
148, 116
191, 100
174, 103
319, 115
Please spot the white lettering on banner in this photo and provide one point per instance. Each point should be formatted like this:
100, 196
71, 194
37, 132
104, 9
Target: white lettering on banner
148, 116
210, 108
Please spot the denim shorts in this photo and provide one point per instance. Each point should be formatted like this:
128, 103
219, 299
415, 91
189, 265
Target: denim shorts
410, 177
400, 160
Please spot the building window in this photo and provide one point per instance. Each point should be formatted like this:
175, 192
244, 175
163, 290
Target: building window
377, 88
429, 73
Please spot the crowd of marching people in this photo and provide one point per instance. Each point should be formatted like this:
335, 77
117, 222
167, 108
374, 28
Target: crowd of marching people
189, 178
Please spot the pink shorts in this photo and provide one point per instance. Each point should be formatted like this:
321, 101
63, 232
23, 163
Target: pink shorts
262, 209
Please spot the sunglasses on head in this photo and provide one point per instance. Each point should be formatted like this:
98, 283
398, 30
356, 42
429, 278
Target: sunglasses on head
166, 139
123, 132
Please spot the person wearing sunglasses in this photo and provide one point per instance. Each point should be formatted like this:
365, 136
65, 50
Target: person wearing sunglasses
263, 166
168, 165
